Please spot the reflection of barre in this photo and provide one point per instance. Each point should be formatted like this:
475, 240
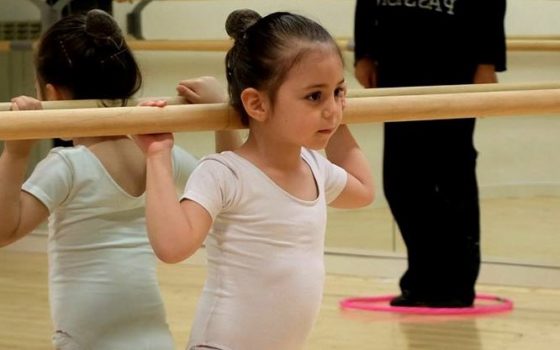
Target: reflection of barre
205, 117
416, 90
180, 45
344, 44
450, 89
218, 45
75, 104
533, 37
533, 45
200, 45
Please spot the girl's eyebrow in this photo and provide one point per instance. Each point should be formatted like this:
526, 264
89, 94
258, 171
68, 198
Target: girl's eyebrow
322, 85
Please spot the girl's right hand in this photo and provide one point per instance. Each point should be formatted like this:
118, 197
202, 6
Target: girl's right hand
22, 147
152, 144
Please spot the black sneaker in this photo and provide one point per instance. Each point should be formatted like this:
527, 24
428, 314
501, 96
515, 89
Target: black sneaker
405, 300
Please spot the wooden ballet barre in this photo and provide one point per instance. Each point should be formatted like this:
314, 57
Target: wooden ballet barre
397, 91
533, 45
180, 45
224, 45
77, 104
39, 124
344, 44
450, 89
216, 45
534, 37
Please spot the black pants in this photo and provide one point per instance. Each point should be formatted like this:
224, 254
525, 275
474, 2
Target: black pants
82, 6
430, 183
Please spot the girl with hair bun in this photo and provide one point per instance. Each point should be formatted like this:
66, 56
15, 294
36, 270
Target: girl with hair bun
262, 209
103, 287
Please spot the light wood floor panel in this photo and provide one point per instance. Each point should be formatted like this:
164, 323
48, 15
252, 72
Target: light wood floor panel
534, 324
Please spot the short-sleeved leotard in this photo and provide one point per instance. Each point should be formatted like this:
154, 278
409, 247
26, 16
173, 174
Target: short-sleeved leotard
265, 254
103, 288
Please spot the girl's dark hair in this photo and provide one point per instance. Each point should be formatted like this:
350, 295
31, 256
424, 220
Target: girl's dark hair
88, 55
265, 50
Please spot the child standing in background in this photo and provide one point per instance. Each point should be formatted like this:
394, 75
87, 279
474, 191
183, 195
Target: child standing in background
262, 208
103, 287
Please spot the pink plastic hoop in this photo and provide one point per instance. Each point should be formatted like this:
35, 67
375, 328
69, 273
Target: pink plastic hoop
380, 303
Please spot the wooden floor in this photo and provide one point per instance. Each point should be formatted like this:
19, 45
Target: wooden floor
534, 323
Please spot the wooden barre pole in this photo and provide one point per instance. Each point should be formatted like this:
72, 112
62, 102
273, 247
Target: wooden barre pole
451, 89
534, 37
210, 45
76, 104
180, 45
218, 45
38, 124
533, 45
415, 90
344, 44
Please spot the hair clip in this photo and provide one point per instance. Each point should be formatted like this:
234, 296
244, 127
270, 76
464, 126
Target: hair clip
112, 56
65, 52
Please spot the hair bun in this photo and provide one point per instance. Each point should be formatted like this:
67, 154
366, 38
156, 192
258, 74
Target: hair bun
101, 25
239, 21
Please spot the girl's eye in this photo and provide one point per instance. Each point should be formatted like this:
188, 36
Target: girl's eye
314, 96
340, 92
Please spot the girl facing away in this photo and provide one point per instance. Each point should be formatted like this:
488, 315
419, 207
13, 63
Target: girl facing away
103, 287
262, 208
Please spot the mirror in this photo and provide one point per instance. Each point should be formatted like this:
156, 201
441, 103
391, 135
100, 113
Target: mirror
518, 170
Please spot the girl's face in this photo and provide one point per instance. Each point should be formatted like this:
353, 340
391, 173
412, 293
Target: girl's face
309, 103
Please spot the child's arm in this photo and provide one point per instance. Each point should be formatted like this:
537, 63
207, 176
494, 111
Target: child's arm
20, 212
208, 90
344, 151
176, 230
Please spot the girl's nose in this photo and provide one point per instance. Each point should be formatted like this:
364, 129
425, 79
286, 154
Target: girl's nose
331, 107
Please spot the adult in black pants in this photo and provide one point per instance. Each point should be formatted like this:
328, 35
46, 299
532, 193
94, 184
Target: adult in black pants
429, 174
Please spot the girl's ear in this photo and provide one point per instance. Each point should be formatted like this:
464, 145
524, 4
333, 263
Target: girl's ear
54, 93
255, 103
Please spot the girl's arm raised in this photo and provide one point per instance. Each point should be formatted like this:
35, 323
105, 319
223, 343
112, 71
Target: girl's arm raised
344, 151
176, 230
20, 212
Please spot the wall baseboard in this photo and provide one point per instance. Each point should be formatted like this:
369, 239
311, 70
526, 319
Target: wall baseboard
493, 271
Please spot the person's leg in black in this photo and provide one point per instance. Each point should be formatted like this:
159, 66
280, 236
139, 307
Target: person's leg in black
458, 191
408, 182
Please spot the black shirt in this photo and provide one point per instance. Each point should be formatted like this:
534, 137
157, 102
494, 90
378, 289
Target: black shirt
430, 42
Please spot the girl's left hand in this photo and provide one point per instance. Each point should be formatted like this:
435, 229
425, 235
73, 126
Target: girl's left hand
205, 89
153, 103
22, 103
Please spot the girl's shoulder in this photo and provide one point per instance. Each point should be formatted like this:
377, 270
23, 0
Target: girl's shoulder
227, 159
225, 165
313, 157
70, 154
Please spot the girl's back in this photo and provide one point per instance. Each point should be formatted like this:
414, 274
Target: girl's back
99, 254
124, 162
102, 271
